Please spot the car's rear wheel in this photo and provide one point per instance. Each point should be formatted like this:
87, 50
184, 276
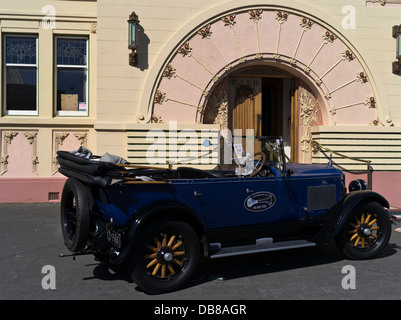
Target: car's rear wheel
366, 232
165, 256
74, 215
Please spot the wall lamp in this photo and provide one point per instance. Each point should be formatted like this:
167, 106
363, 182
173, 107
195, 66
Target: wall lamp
133, 39
397, 64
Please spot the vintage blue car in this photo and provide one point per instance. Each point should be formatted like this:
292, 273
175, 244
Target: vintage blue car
160, 221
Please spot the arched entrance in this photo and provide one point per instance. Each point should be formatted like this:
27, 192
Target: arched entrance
322, 81
269, 101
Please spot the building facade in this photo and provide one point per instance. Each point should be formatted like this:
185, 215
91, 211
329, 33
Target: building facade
318, 73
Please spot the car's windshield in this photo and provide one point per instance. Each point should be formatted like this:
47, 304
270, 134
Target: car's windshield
272, 154
273, 148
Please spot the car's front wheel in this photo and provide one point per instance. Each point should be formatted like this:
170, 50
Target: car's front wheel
365, 233
165, 256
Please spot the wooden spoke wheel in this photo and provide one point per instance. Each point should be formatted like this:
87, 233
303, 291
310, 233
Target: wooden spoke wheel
366, 232
165, 256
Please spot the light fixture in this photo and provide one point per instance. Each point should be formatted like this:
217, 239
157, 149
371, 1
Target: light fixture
397, 35
133, 43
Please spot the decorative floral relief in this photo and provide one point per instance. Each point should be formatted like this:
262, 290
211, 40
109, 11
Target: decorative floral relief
94, 27
8, 137
58, 141
310, 116
229, 20
255, 15
185, 49
329, 37
362, 77
374, 122
205, 32
169, 71
282, 16
81, 136
371, 102
276, 56
306, 23
160, 97
31, 136
217, 105
156, 119
4, 161
348, 55
60, 137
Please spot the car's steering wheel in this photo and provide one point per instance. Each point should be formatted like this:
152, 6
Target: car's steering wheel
259, 165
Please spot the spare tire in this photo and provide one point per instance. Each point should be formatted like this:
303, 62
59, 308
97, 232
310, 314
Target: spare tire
75, 214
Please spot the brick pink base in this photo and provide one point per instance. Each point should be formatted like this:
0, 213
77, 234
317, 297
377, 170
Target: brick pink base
28, 190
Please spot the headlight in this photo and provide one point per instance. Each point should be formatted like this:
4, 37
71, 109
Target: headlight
358, 184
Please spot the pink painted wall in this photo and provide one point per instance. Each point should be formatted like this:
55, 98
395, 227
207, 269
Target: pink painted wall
385, 183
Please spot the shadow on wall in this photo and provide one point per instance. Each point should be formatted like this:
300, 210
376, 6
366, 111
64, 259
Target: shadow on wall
143, 50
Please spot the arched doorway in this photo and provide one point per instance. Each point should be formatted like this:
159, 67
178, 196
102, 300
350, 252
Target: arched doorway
328, 80
268, 101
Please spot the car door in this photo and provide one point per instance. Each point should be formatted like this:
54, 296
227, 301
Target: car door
216, 201
270, 200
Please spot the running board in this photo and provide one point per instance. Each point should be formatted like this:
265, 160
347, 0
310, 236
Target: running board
262, 245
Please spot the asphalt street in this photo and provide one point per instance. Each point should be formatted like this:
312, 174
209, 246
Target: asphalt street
32, 268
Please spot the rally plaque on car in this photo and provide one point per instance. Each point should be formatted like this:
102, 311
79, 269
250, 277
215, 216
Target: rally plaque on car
260, 201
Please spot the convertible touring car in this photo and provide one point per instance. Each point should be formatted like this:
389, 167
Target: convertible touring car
160, 221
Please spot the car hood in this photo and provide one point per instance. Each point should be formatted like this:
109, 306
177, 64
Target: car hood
313, 169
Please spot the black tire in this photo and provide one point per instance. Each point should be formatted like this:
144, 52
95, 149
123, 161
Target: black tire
165, 256
366, 232
75, 214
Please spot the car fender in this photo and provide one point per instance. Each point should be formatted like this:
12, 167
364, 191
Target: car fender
163, 209
335, 218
